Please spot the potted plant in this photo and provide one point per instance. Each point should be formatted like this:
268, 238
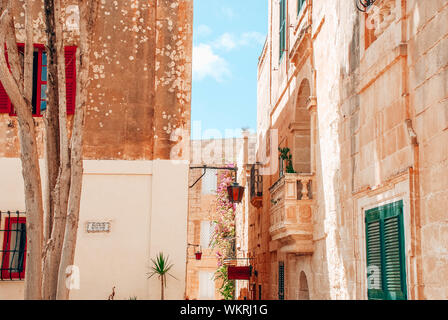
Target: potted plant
161, 268
198, 253
285, 156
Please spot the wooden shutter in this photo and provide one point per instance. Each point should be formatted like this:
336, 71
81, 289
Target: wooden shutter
70, 77
394, 257
386, 271
282, 33
4, 100
300, 4
374, 255
5, 105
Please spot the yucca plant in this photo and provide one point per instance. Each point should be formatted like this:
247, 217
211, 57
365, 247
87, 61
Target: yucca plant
161, 268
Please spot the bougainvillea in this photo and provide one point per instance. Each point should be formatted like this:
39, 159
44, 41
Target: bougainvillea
224, 231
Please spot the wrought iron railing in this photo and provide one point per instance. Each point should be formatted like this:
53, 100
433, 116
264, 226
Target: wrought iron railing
13, 245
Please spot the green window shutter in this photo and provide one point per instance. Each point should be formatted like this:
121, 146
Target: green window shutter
374, 255
300, 4
394, 255
386, 271
282, 34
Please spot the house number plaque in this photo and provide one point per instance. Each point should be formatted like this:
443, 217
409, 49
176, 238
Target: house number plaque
95, 227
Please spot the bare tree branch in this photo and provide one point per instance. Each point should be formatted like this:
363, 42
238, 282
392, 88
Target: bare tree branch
29, 157
14, 58
29, 50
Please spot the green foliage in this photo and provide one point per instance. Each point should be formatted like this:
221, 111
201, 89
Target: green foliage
161, 267
286, 156
228, 286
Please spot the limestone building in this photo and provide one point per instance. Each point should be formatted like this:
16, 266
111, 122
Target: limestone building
361, 101
201, 283
139, 95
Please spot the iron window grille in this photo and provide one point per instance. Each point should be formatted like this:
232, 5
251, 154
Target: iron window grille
281, 280
13, 249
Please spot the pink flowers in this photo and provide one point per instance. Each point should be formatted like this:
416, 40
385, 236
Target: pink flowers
225, 224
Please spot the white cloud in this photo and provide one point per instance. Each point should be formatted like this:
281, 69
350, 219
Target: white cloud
229, 41
225, 41
204, 30
208, 64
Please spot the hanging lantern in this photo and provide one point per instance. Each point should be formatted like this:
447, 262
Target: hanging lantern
235, 192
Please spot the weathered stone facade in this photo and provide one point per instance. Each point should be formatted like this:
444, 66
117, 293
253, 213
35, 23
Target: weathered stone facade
137, 121
361, 100
140, 86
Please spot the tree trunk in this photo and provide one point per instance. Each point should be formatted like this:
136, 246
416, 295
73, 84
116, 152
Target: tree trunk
29, 152
163, 288
51, 120
53, 250
88, 10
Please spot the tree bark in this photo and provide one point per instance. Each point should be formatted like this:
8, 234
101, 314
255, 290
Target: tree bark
51, 119
29, 152
53, 250
163, 289
88, 10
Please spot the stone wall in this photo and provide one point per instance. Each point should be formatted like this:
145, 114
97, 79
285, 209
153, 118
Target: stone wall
378, 131
140, 88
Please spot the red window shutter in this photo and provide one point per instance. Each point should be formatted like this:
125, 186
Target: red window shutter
5, 105
70, 78
4, 100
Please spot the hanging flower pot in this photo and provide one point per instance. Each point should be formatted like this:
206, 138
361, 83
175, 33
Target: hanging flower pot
198, 255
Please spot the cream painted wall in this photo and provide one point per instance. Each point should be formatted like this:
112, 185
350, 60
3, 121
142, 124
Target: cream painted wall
168, 231
146, 203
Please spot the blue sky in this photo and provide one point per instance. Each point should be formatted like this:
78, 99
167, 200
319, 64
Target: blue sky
228, 36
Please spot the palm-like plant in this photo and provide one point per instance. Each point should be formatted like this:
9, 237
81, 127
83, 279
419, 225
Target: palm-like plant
161, 268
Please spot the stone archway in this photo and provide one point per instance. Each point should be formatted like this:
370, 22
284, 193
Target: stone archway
301, 130
304, 293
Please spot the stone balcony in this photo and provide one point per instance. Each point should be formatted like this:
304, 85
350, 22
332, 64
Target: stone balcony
291, 214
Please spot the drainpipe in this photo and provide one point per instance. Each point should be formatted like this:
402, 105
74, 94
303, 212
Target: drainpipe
417, 290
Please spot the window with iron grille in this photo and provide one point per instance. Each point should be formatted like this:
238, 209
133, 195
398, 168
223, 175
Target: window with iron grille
40, 75
386, 270
282, 32
281, 280
13, 253
300, 4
